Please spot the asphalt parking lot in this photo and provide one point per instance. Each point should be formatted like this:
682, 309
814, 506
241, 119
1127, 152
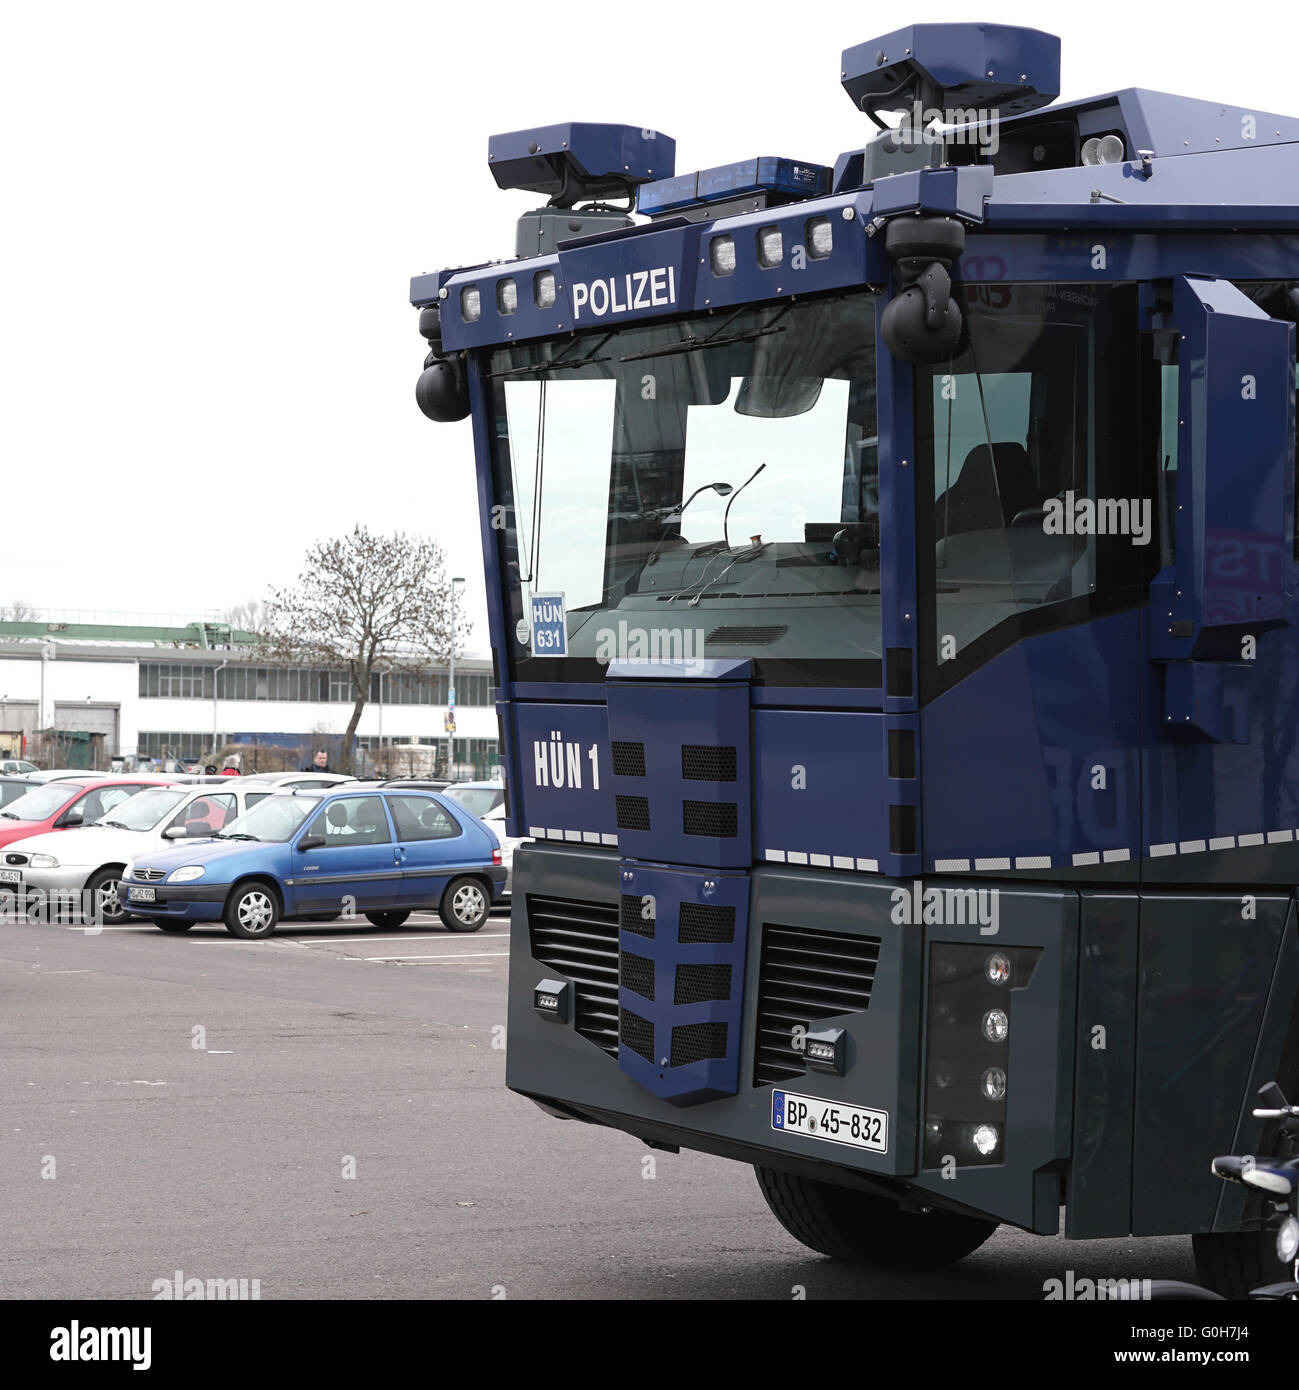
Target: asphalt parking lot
325, 1113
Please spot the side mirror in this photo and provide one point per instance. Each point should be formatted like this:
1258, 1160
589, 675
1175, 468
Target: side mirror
311, 842
175, 832
66, 822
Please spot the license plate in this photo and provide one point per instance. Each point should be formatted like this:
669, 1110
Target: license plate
10, 876
144, 895
853, 1125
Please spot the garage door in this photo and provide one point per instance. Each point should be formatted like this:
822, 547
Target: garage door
93, 719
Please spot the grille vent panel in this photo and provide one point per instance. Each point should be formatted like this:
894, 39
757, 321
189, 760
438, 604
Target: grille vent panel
638, 1034
701, 984
717, 820
805, 976
630, 918
704, 923
705, 762
633, 812
579, 940
638, 975
698, 1042
628, 758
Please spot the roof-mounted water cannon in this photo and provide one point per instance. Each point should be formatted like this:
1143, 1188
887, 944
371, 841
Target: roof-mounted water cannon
953, 84
577, 166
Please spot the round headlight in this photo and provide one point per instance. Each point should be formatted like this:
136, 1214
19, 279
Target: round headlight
186, 875
1287, 1240
984, 1139
993, 1083
997, 968
995, 1025
43, 861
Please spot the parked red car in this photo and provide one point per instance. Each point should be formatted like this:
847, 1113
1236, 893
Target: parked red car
62, 805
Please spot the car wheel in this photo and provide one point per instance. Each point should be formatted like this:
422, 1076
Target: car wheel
252, 912
173, 926
105, 897
387, 919
464, 905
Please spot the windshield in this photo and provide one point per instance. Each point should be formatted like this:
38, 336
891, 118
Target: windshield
144, 810
274, 819
701, 488
477, 800
42, 803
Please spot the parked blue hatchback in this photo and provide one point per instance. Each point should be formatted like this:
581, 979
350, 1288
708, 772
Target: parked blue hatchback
381, 853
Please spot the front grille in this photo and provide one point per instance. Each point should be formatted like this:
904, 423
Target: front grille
150, 875
806, 975
701, 984
633, 812
580, 940
628, 759
706, 923
756, 635
638, 975
704, 762
632, 915
718, 820
638, 1034
698, 1042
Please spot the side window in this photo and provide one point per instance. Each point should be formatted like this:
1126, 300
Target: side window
100, 803
358, 820
1021, 466
253, 798
421, 818
205, 814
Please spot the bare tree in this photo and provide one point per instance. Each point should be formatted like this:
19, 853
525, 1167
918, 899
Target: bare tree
252, 615
363, 601
19, 611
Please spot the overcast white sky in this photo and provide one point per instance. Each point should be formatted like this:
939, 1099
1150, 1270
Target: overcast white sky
212, 213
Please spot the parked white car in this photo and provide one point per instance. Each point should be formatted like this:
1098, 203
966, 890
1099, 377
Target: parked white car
495, 819
300, 781
46, 870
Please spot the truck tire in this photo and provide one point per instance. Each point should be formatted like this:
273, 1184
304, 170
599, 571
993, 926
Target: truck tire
1233, 1262
867, 1230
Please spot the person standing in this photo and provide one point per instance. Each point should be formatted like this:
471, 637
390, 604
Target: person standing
319, 763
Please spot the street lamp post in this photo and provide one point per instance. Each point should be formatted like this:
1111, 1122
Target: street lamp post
456, 586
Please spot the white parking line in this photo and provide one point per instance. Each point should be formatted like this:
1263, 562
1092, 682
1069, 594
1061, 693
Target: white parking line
450, 960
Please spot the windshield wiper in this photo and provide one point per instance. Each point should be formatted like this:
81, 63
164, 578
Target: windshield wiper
115, 824
558, 364
238, 835
8, 815
717, 338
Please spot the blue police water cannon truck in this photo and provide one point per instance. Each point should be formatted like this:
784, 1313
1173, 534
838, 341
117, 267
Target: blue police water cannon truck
893, 588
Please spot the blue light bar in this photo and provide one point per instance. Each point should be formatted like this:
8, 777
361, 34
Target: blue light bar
784, 179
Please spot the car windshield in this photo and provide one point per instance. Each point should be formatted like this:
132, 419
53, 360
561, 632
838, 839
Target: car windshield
702, 488
42, 803
146, 809
274, 819
478, 800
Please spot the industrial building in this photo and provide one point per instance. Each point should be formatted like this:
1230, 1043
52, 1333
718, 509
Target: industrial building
187, 694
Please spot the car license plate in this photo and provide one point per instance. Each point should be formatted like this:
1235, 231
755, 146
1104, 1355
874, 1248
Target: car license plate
144, 895
854, 1125
10, 876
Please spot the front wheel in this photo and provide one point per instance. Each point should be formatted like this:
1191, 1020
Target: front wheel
867, 1230
252, 912
387, 919
464, 905
106, 897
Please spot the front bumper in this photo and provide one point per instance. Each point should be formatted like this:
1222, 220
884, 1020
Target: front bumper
192, 902
568, 898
